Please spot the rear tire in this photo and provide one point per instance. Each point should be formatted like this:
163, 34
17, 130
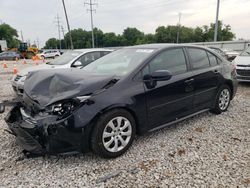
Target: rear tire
222, 100
113, 133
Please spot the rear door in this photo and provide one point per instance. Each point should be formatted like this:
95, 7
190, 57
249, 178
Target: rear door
172, 99
206, 71
46, 54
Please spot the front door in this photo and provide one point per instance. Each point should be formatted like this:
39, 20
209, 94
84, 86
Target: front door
172, 99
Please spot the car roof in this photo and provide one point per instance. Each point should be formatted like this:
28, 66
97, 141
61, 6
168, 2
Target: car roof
92, 50
163, 46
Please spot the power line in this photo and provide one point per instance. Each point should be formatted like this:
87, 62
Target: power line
66, 16
58, 24
91, 10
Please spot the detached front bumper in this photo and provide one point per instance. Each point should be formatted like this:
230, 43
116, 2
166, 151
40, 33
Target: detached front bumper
44, 135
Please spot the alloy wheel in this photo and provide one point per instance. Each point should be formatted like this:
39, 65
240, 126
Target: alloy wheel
117, 134
224, 99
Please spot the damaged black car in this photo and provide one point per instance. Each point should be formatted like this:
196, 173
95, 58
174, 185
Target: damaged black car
131, 91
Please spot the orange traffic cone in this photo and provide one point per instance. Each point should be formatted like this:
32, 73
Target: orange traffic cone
15, 70
33, 58
5, 66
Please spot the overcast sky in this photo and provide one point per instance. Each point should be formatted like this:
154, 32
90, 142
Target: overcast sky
36, 18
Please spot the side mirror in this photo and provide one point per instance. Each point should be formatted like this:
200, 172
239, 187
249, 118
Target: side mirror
161, 75
77, 64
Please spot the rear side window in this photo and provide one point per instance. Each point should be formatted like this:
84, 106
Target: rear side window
96, 55
172, 60
198, 57
89, 57
212, 59
103, 53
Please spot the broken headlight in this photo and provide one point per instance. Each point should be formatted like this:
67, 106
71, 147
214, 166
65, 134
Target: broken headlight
66, 107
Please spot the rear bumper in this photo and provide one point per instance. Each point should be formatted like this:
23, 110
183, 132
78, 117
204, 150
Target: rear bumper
45, 136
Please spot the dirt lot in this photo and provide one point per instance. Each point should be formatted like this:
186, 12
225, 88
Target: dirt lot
204, 151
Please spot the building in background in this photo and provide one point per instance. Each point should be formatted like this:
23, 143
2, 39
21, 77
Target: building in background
3, 45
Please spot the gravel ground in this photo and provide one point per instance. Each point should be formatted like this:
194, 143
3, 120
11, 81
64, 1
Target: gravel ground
205, 151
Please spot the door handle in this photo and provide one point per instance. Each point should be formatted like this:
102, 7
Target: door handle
190, 81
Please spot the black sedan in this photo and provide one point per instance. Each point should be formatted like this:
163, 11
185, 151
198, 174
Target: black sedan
9, 55
131, 91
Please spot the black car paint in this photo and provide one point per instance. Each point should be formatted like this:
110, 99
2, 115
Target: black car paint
169, 101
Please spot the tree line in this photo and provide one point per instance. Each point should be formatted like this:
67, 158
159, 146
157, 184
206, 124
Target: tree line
132, 36
9, 34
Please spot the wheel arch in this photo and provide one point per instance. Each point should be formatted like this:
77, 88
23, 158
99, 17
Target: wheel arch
113, 107
229, 83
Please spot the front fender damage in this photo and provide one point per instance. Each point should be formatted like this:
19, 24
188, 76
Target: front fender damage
39, 135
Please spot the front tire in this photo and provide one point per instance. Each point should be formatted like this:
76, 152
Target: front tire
222, 100
113, 133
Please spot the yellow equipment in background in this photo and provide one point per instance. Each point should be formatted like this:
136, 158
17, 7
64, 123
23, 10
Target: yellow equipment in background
27, 51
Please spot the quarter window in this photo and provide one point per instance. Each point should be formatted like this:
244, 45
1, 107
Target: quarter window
212, 59
198, 57
172, 60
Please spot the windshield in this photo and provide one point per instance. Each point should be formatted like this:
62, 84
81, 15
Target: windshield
120, 62
65, 58
246, 52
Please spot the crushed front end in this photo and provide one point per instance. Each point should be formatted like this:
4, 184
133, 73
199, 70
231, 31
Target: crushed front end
49, 130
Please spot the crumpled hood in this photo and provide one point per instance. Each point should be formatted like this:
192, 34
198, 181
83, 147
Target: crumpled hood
49, 86
25, 72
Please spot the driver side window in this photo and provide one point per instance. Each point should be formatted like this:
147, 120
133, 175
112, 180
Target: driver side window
172, 60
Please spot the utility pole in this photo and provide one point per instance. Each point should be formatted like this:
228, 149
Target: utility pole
63, 32
178, 29
58, 21
216, 21
91, 10
66, 16
21, 32
37, 42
